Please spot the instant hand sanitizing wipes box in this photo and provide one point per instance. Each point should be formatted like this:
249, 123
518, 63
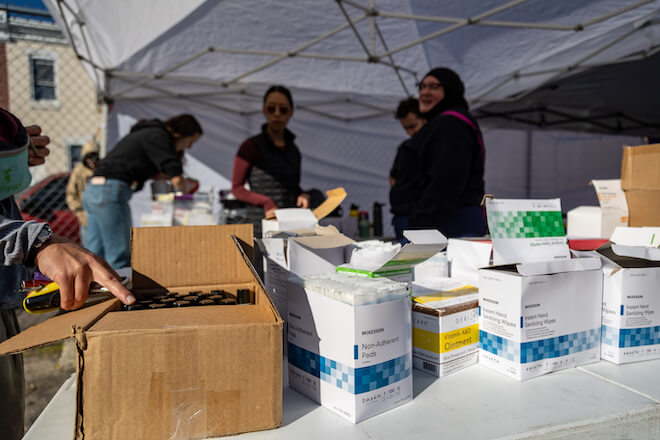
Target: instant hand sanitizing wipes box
540, 308
536, 318
631, 299
350, 351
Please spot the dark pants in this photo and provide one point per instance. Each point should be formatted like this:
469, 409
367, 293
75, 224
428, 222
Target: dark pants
12, 383
467, 221
400, 223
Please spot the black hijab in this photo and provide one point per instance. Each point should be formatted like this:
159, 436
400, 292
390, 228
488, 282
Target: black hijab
454, 91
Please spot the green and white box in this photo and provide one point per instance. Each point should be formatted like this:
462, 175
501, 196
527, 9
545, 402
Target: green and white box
524, 231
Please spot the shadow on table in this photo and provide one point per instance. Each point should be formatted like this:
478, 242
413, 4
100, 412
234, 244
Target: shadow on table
421, 381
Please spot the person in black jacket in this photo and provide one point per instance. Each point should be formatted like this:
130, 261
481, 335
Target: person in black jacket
270, 163
407, 113
445, 162
150, 149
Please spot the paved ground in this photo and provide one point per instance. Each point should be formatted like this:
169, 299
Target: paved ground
45, 369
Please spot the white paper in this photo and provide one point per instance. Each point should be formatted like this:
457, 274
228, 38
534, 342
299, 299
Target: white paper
613, 204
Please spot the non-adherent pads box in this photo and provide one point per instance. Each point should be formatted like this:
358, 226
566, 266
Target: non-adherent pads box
355, 360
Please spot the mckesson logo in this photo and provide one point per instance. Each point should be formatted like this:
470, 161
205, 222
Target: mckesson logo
531, 306
373, 331
488, 300
635, 296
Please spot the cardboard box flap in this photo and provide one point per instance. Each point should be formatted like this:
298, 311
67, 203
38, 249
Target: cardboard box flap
637, 243
625, 261
558, 266
181, 255
640, 167
289, 219
57, 328
324, 241
424, 244
335, 197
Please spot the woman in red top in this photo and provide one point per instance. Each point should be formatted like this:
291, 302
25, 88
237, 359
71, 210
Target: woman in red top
270, 163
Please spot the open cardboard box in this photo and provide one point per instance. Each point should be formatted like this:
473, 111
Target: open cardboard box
640, 180
194, 372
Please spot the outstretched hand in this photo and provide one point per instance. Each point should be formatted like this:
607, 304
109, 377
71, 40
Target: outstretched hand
74, 268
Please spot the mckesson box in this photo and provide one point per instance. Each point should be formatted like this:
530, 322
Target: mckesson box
193, 372
631, 308
445, 326
355, 360
539, 317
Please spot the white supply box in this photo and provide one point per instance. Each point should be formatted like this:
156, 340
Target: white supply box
600, 221
445, 327
631, 305
353, 360
535, 318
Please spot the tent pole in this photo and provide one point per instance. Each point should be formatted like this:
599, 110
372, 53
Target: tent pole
528, 183
372, 27
394, 66
354, 29
462, 24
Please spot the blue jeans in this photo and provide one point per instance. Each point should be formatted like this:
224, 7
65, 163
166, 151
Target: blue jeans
109, 221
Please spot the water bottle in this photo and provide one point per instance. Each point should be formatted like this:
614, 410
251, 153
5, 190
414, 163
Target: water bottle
378, 219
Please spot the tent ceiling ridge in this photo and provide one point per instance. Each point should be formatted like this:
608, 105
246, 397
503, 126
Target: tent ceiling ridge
163, 72
295, 51
455, 26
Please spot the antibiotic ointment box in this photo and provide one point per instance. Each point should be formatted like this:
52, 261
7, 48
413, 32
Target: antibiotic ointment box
535, 318
193, 372
631, 301
445, 326
354, 360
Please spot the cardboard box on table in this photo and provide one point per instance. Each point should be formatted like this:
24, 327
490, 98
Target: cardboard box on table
194, 372
631, 298
354, 360
640, 180
445, 326
543, 314
600, 221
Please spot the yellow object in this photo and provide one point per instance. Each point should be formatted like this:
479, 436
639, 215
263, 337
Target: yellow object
43, 300
445, 342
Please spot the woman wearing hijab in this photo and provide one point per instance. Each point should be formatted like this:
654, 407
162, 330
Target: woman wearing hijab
270, 163
444, 182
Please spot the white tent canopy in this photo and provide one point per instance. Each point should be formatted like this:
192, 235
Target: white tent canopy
348, 62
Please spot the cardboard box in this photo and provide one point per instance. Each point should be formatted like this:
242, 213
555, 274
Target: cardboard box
193, 372
535, 318
640, 180
354, 360
600, 221
445, 326
631, 307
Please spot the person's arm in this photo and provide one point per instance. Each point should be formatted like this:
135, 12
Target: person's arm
449, 150
245, 158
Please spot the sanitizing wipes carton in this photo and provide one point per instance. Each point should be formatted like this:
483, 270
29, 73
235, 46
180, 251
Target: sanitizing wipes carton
631, 296
540, 310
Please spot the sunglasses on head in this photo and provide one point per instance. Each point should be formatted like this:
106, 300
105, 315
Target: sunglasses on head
284, 110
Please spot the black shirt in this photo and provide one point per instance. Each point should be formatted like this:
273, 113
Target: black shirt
146, 151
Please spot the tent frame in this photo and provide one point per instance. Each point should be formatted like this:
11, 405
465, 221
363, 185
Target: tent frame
371, 13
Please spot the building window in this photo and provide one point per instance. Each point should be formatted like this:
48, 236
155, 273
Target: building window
42, 72
74, 155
